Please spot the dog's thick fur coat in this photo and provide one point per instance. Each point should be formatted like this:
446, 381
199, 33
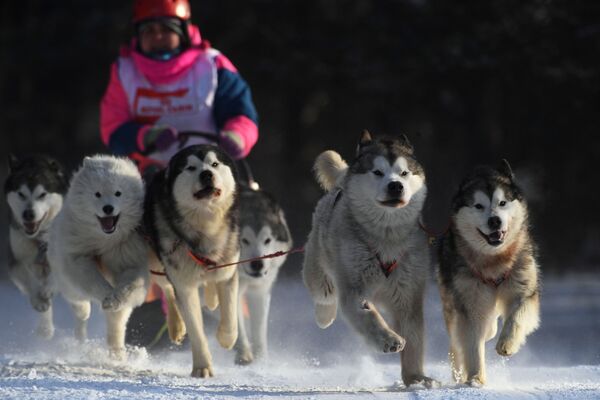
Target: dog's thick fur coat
96, 248
263, 231
192, 209
34, 191
366, 252
488, 269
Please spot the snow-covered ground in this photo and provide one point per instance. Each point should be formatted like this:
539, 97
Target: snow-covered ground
560, 361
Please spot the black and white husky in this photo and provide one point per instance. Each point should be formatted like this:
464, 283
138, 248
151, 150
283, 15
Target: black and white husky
366, 251
34, 191
191, 217
263, 231
488, 270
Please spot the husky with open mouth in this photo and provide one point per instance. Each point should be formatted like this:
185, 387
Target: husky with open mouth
34, 192
191, 217
488, 270
96, 247
366, 251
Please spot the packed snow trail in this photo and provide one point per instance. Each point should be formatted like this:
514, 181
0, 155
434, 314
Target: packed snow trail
560, 361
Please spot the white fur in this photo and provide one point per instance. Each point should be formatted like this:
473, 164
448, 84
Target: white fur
28, 273
92, 265
44, 206
330, 169
256, 289
340, 268
469, 219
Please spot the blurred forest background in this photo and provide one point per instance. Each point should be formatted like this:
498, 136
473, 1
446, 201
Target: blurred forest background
468, 82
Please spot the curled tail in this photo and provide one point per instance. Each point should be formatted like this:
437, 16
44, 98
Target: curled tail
330, 169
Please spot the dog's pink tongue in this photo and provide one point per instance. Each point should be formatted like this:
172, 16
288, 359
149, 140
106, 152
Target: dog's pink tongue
108, 223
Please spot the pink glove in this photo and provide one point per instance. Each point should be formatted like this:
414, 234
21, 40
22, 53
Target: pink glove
160, 138
233, 144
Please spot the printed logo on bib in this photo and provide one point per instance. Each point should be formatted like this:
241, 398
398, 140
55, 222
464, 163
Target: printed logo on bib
151, 103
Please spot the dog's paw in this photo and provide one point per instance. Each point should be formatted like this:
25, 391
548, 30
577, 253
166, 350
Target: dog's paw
41, 306
117, 354
391, 342
202, 372
40, 302
426, 381
475, 381
226, 337
112, 302
507, 346
325, 314
244, 357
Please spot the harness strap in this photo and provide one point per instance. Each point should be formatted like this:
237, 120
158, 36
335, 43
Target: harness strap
386, 268
211, 265
495, 283
434, 237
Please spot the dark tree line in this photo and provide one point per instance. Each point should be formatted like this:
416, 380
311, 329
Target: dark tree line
468, 82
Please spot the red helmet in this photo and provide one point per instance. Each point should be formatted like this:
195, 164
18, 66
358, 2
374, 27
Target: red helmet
144, 9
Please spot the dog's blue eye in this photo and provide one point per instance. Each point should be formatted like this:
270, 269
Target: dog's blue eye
118, 194
267, 240
215, 164
478, 206
190, 168
42, 195
98, 195
377, 173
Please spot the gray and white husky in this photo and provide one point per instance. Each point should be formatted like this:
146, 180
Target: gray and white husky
488, 269
34, 192
191, 217
96, 248
366, 251
263, 231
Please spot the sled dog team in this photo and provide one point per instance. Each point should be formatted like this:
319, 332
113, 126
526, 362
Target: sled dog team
104, 235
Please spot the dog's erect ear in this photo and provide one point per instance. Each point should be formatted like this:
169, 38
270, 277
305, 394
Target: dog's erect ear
506, 170
365, 140
87, 161
406, 143
13, 161
55, 166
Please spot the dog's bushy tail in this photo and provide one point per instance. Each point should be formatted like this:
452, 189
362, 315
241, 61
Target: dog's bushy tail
330, 169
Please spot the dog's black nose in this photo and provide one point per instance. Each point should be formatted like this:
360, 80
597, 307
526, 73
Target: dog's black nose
108, 209
494, 223
395, 188
28, 215
257, 265
206, 177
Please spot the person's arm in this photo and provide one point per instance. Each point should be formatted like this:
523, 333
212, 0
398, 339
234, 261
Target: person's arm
120, 133
234, 111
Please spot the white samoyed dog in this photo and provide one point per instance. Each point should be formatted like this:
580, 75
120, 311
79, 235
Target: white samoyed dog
96, 247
